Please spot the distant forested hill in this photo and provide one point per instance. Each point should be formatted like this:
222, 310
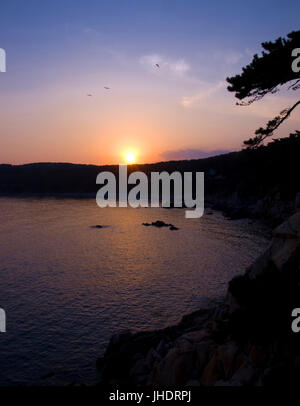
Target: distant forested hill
237, 181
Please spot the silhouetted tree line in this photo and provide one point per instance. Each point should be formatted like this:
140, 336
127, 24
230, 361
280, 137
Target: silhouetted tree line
250, 174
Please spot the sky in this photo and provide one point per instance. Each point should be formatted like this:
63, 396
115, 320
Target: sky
60, 51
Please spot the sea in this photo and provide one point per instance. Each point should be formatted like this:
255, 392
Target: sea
66, 286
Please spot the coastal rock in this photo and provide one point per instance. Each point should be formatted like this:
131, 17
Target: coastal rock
195, 336
233, 303
227, 354
260, 264
119, 338
237, 213
184, 345
282, 250
162, 348
222, 364
140, 371
204, 351
174, 369
152, 357
273, 206
192, 383
285, 230
48, 375
221, 312
212, 373
294, 222
286, 239
290, 229
297, 201
244, 341
244, 375
258, 356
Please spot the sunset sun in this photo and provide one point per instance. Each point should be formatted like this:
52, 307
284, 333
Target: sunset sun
130, 158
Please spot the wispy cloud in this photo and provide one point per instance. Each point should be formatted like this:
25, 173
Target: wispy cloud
175, 67
202, 94
90, 30
229, 57
191, 153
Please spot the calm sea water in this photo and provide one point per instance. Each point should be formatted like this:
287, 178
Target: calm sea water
67, 287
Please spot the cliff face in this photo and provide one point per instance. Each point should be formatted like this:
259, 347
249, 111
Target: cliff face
246, 340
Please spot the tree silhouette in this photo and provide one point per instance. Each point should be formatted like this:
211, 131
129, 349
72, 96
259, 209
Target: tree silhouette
265, 75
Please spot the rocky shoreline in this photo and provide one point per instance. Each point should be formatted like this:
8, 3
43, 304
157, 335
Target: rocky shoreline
273, 208
245, 340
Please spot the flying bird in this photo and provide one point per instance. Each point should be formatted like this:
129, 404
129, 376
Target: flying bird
106, 87
157, 65
89, 95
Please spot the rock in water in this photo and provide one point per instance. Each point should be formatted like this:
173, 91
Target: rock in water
172, 228
159, 223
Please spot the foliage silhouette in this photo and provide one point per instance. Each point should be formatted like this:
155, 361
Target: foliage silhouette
265, 75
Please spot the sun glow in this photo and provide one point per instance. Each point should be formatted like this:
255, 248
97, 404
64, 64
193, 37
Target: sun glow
130, 157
